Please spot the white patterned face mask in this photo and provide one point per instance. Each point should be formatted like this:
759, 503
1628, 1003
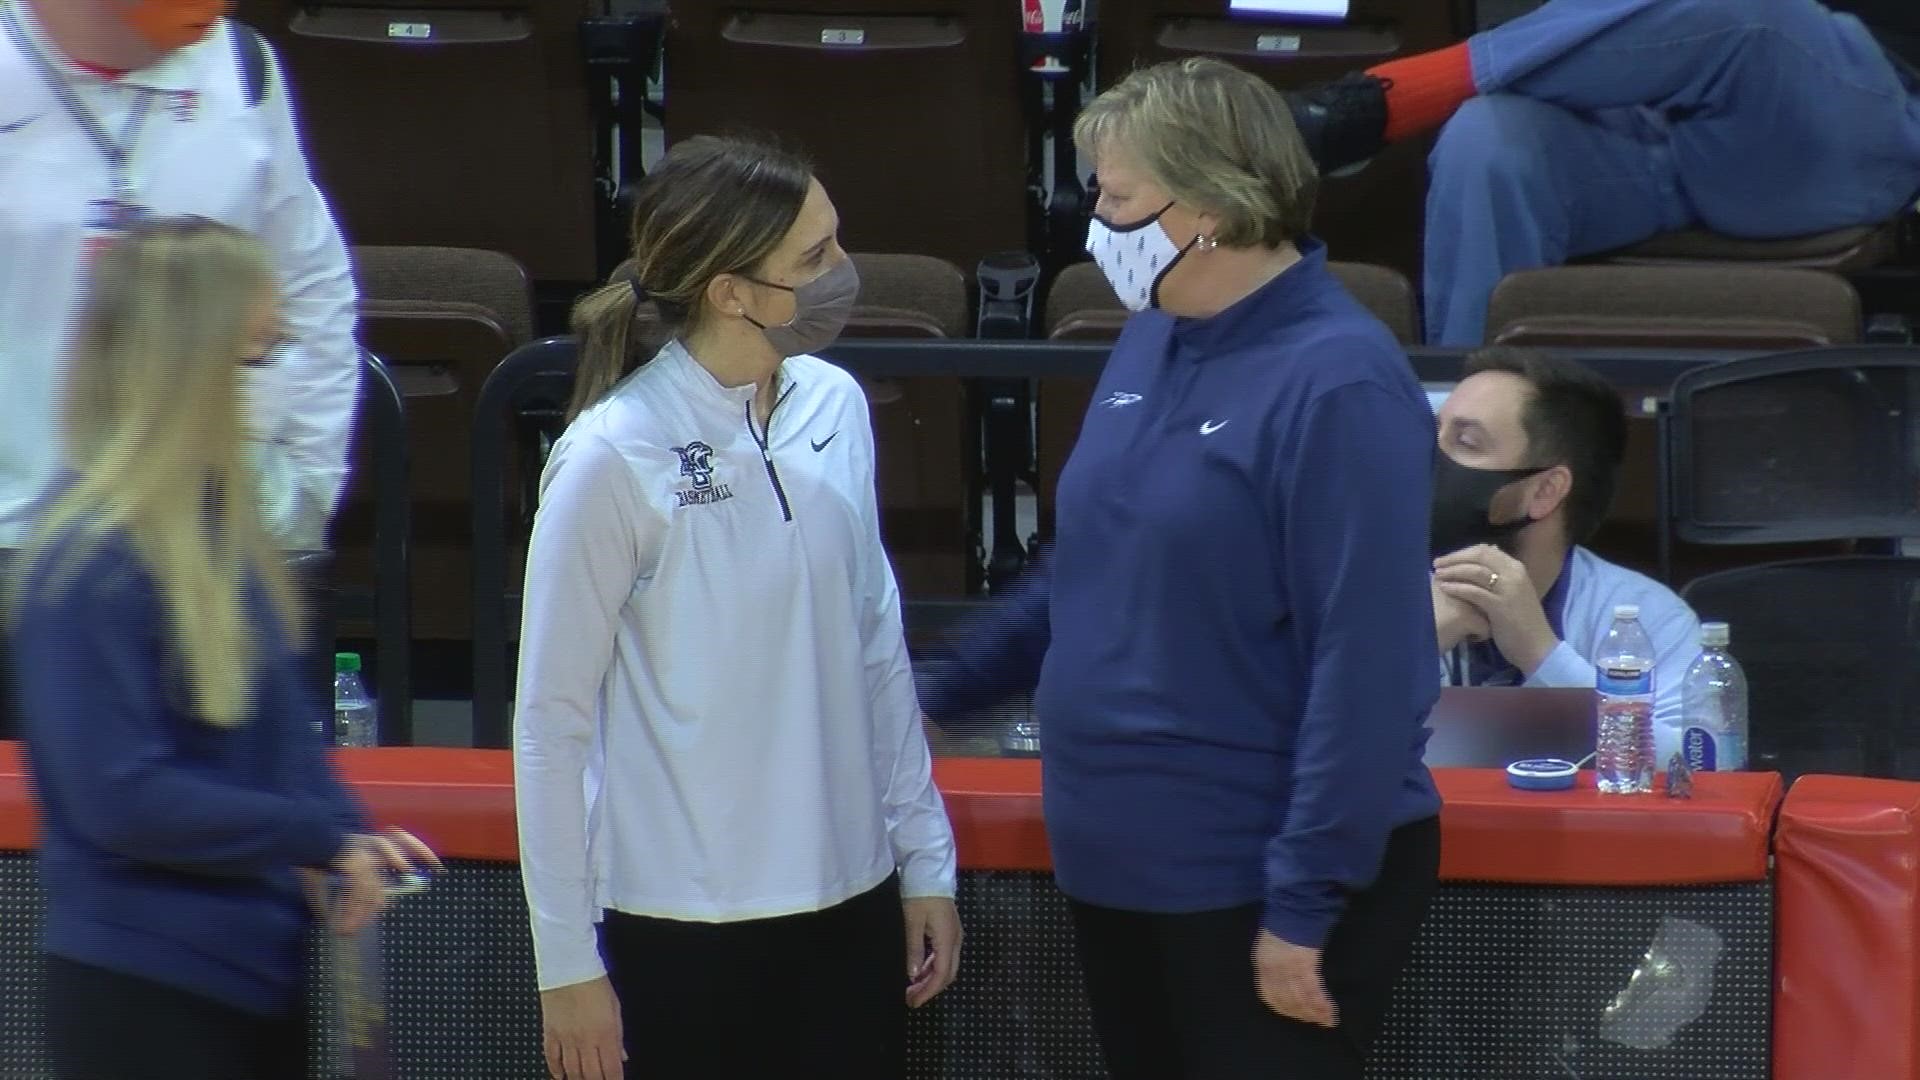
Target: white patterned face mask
1135, 257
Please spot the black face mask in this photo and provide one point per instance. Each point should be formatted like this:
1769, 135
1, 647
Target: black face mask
1462, 498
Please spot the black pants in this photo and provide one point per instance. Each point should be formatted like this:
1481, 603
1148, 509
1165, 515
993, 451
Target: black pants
821, 994
102, 1025
1174, 996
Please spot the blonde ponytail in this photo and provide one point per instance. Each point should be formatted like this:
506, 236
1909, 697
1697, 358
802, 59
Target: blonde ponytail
603, 321
712, 206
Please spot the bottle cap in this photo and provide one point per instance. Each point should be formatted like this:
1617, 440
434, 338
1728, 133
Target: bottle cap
1715, 634
344, 662
1627, 611
406, 884
1542, 774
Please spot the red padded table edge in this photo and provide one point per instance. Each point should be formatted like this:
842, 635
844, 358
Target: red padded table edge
461, 801
1491, 831
1847, 931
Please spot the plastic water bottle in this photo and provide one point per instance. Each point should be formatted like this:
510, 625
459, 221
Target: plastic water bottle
1713, 733
1623, 686
355, 721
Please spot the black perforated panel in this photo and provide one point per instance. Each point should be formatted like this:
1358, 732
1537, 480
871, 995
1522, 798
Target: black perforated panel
1507, 983
1513, 983
20, 907
462, 995
1017, 1010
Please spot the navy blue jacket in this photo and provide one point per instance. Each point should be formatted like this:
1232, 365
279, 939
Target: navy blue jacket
167, 845
1233, 634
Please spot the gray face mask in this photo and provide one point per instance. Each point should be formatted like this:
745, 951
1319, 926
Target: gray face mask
820, 311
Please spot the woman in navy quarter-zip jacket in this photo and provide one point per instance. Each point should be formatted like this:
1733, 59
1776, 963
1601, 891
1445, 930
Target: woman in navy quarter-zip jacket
181, 788
1233, 634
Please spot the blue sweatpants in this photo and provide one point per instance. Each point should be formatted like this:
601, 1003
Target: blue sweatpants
1603, 122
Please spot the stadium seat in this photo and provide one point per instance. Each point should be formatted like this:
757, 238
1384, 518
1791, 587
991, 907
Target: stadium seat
1720, 307
1803, 447
920, 425
1841, 251
1742, 308
464, 124
912, 118
442, 318
1829, 647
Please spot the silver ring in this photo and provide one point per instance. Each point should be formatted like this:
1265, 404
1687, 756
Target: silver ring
1493, 580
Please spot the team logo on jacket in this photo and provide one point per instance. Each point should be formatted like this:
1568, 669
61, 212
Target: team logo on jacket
696, 464
184, 103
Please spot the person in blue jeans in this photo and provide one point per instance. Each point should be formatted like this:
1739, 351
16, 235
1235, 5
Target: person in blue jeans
1589, 125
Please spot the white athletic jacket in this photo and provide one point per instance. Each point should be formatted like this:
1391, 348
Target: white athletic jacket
715, 720
197, 147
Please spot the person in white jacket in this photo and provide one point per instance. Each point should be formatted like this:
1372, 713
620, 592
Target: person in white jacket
116, 110
728, 822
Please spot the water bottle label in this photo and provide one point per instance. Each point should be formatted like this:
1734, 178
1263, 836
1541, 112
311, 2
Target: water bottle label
1624, 682
1713, 751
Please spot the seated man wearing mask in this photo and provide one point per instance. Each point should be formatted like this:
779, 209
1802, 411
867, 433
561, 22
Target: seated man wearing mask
1531, 446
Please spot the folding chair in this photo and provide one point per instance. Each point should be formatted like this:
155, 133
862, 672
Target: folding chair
1793, 448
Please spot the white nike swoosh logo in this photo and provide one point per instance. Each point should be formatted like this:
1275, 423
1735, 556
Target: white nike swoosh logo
1212, 426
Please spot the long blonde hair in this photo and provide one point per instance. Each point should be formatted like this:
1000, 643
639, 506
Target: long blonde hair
153, 435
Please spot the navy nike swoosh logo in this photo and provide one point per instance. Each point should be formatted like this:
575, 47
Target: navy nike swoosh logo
822, 444
7, 129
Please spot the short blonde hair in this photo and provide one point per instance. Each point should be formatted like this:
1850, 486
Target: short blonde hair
1218, 139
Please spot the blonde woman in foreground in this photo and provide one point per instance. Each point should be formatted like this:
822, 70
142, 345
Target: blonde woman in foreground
181, 789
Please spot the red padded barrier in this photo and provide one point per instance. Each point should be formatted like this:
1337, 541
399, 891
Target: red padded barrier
461, 801
1847, 931
1492, 831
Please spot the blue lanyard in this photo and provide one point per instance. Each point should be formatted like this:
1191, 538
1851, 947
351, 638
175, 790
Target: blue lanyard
117, 152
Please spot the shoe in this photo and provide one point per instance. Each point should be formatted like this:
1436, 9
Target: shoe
1343, 122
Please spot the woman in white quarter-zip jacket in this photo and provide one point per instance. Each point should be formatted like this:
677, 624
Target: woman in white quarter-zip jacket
728, 823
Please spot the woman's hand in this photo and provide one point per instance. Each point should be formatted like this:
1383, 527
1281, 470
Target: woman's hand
363, 865
362, 894
581, 1024
1290, 981
933, 947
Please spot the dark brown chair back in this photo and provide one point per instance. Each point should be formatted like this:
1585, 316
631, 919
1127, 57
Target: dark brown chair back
442, 318
909, 110
453, 122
